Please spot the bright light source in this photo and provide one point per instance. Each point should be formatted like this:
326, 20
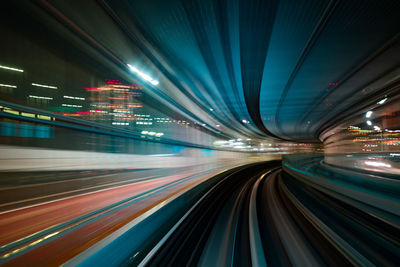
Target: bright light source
377, 164
217, 125
369, 122
211, 109
377, 128
40, 97
8, 85
71, 106
74, 97
238, 144
220, 142
143, 75
368, 114
382, 101
354, 127
133, 68
44, 86
153, 133
9, 68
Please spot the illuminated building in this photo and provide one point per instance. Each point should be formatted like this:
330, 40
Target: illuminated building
115, 103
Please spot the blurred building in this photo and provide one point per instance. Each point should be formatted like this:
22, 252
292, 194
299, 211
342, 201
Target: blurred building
114, 103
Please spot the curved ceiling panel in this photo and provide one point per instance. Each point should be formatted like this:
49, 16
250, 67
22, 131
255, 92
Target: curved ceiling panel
346, 35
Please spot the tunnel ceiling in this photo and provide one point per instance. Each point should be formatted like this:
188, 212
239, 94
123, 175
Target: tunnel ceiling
267, 69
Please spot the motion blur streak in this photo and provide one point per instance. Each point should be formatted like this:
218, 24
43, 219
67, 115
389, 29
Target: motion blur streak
108, 209
200, 133
294, 215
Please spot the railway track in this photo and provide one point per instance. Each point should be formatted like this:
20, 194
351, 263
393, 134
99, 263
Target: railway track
262, 216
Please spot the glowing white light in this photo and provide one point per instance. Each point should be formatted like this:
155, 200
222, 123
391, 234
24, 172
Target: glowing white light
377, 164
40, 97
368, 114
211, 109
9, 68
151, 133
145, 132
218, 125
146, 77
71, 106
133, 68
120, 123
220, 142
159, 134
354, 127
74, 97
44, 86
369, 122
8, 85
237, 144
143, 75
382, 101
377, 128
